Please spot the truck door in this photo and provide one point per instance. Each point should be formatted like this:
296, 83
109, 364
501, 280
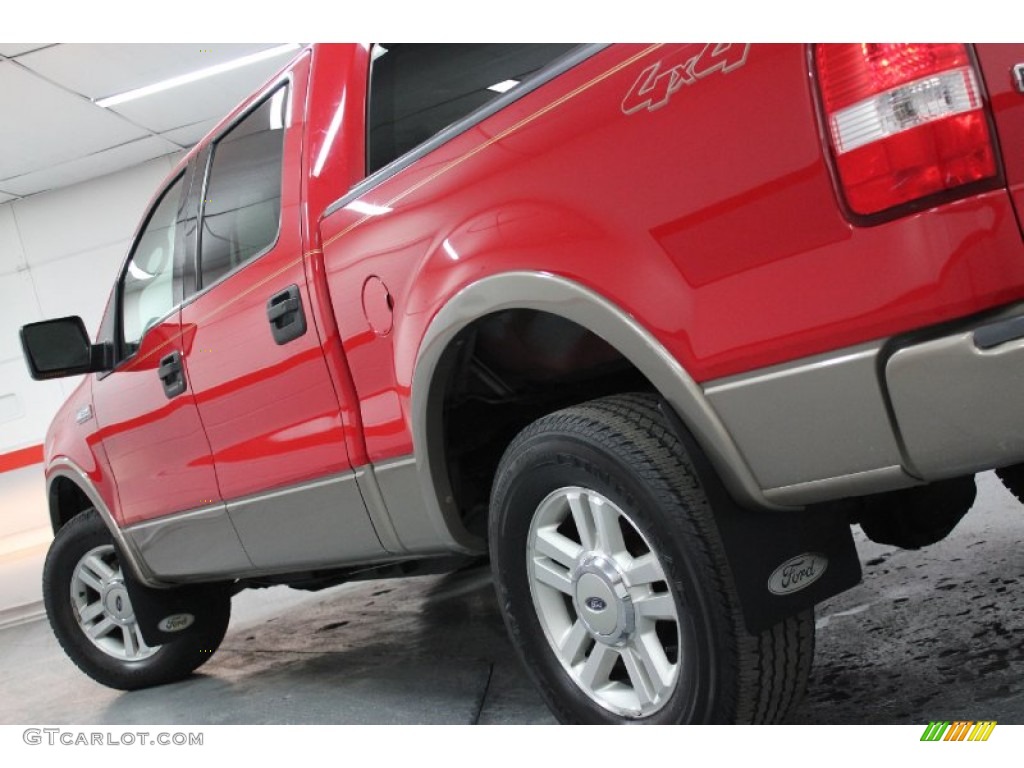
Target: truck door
149, 425
255, 360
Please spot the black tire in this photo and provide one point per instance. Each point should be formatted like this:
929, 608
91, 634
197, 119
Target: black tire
1013, 479
620, 449
81, 536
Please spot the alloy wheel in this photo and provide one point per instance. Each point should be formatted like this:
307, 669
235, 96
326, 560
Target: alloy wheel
103, 609
603, 601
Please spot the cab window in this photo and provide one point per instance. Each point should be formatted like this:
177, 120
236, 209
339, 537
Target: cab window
417, 90
147, 288
242, 204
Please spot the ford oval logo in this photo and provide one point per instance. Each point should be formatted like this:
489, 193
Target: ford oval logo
176, 622
596, 604
797, 573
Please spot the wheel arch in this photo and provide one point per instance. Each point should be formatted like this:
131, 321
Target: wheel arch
66, 500
70, 492
567, 299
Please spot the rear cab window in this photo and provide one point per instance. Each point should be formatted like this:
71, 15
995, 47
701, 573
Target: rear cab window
417, 90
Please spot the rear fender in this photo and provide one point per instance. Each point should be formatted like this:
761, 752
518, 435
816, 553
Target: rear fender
559, 296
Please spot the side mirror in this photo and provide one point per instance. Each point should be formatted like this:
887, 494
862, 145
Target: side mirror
58, 348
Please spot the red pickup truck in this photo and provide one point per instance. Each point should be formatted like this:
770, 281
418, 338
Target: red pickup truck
650, 325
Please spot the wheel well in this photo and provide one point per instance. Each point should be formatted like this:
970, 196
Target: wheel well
504, 371
66, 501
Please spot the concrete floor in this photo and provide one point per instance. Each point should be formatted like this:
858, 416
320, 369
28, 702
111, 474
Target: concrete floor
935, 634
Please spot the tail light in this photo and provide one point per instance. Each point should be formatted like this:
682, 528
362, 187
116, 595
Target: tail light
905, 121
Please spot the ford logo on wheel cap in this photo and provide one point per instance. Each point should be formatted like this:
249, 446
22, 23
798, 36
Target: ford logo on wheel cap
596, 604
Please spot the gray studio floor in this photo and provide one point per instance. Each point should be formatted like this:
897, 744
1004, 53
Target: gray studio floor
936, 634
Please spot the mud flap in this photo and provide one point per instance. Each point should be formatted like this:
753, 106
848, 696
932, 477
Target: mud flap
171, 614
782, 562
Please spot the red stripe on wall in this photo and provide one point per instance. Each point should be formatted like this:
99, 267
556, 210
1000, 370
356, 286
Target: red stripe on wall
26, 457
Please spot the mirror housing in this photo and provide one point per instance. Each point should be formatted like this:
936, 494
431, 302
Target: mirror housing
58, 348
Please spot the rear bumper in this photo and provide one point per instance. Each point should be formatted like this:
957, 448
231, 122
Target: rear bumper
891, 414
958, 400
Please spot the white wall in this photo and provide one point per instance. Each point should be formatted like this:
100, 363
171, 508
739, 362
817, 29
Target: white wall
59, 255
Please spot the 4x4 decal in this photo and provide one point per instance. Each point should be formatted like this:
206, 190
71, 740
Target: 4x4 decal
653, 89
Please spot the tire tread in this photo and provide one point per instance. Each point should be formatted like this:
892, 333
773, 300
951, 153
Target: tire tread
770, 670
172, 662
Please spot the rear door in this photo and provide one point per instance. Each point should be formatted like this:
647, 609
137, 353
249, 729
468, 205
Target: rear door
255, 359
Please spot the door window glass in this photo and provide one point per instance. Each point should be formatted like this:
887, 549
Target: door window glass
147, 292
242, 206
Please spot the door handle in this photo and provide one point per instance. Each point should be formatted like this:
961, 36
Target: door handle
286, 316
172, 374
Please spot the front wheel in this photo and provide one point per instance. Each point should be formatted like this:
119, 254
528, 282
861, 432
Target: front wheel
91, 613
614, 584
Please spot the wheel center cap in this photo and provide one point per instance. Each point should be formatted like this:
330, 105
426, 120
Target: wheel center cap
117, 604
602, 600
596, 604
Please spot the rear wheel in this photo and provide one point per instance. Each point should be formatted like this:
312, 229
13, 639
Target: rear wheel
614, 584
91, 613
